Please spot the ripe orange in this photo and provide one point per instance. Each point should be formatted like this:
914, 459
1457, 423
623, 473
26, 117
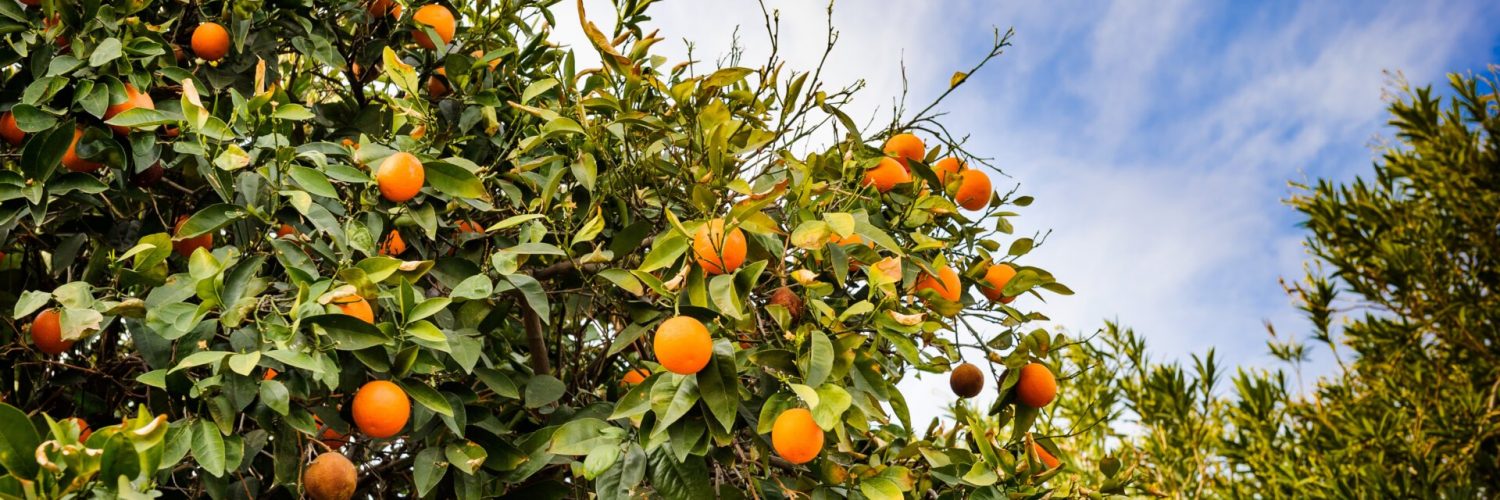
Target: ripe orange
440, 19
796, 437
331, 438
400, 177
271, 373
330, 476
186, 246
948, 166
73, 162
133, 99
635, 376
1036, 387
966, 380
974, 189
996, 277
62, 40
469, 226
905, 147
393, 245
945, 283
381, 409
9, 131
210, 41
437, 85
1047, 458
356, 306
382, 8
46, 333
682, 345
886, 175
285, 230
716, 252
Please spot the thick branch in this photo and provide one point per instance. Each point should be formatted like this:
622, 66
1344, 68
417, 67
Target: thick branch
541, 363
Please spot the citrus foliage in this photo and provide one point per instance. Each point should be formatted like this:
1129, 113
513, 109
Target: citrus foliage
1402, 294
420, 236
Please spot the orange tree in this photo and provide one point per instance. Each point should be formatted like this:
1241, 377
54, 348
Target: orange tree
419, 240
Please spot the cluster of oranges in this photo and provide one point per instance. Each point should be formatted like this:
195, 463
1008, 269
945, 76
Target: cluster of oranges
972, 188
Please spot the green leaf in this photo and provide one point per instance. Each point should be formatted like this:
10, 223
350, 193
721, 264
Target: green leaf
200, 359
664, 251
313, 181
293, 112
726, 77
833, 401
243, 364
428, 468
348, 333
275, 396
879, 488
476, 287
29, 302
497, 381
685, 480
625, 280
467, 458
208, 448
542, 390
1020, 246
531, 289
209, 219
18, 442
726, 298
580, 436
536, 88
107, 50
454, 180
142, 117
428, 397
818, 363
719, 386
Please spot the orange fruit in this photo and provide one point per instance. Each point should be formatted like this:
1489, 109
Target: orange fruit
1036, 387
381, 409
948, 166
716, 252
974, 189
61, 41
382, 8
393, 245
285, 230
796, 437
682, 345
904, 148
331, 438
436, 87
210, 41
356, 306
73, 162
271, 373
996, 277
133, 99
46, 333
945, 284
440, 19
886, 175
635, 376
469, 226
966, 380
186, 246
400, 177
330, 476
1047, 458
9, 131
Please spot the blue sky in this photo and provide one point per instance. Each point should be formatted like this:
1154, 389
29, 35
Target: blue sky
1158, 137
